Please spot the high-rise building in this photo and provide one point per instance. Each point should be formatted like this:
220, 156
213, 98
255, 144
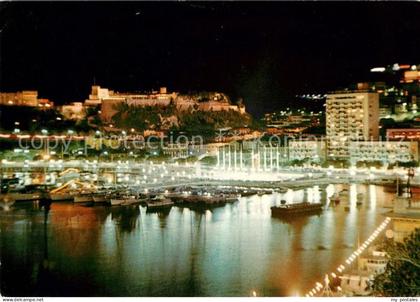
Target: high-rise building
350, 116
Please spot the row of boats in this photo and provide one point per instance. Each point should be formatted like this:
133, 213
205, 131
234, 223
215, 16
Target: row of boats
163, 199
122, 197
110, 197
113, 198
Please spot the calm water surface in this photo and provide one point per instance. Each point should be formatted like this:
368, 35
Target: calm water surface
233, 250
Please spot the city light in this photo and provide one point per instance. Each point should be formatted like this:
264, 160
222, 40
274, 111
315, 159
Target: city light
191, 149
378, 69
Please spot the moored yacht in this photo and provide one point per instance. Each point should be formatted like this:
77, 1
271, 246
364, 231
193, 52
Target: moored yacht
159, 202
83, 197
123, 200
296, 209
30, 192
100, 197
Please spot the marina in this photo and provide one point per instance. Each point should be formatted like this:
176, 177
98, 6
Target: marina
158, 150
103, 231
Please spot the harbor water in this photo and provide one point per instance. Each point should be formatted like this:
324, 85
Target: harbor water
72, 250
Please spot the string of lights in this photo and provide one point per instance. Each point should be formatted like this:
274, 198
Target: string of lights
339, 270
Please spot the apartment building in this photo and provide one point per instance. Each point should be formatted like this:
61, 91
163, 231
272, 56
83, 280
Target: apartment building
350, 116
301, 149
386, 152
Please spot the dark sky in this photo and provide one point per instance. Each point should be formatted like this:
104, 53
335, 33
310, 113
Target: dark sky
263, 52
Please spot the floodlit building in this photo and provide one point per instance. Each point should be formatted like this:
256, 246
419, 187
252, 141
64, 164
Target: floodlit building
20, 98
302, 149
405, 218
403, 134
73, 111
350, 116
109, 100
411, 76
386, 152
45, 104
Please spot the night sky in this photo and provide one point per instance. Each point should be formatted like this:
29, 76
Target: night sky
263, 52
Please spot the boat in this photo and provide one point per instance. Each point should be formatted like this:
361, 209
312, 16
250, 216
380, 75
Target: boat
159, 202
130, 200
230, 198
20, 196
123, 200
247, 193
83, 197
100, 197
30, 192
296, 209
60, 196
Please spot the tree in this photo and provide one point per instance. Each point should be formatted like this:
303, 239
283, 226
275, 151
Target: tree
402, 274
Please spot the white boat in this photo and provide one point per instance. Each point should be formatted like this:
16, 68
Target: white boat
83, 197
160, 203
123, 201
25, 196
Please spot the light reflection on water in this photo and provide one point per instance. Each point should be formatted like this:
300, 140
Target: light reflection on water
226, 251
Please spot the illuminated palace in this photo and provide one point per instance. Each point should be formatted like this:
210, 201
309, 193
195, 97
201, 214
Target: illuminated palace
24, 98
107, 99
